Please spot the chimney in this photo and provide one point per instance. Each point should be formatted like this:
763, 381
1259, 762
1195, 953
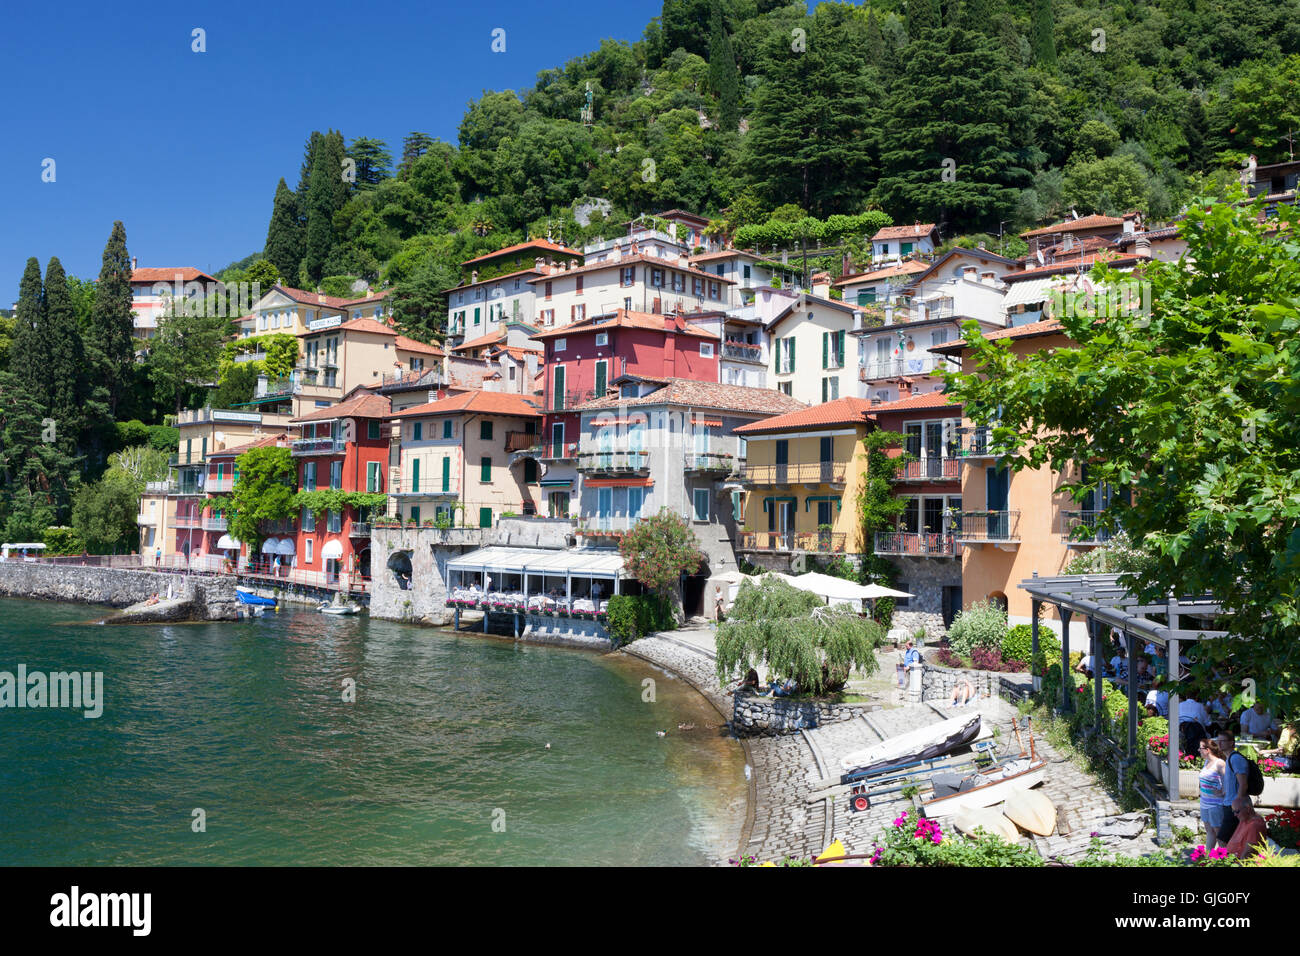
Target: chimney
473, 276
989, 278
320, 297
968, 272
538, 263
133, 263
1143, 247
981, 245
821, 285
916, 226
875, 401
904, 388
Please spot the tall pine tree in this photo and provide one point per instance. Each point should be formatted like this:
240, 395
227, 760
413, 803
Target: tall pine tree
27, 358
922, 16
284, 235
724, 75
110, 343
1043, 34
326, 195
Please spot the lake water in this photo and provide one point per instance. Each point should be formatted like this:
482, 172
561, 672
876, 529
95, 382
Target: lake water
441, 759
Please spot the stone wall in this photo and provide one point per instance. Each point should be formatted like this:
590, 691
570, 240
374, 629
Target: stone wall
925, 578
209, 599
753, 716
938, 682
408, 566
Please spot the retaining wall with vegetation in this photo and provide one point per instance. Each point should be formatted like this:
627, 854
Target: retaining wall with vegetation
205, 599
753, 716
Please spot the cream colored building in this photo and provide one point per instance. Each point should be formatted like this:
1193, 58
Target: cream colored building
810, 341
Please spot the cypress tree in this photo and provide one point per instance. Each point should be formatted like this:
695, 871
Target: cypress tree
724, 75
325, 196
27, 358
875, 41
63, 348
1043, 34
284, 235
111, 345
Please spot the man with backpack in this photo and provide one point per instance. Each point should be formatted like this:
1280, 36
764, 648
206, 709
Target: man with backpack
1241, 781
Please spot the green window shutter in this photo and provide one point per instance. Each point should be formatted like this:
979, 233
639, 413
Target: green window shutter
825, 381
530, 471
792, 353
415, 475
485, 517
415, 515
839, 347
372, 430
485, 469
417, 431
825, 354
446, 428
485, 431
446, 473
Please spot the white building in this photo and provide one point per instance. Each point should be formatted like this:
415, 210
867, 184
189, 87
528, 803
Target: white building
893, 243
153, 290
499, 290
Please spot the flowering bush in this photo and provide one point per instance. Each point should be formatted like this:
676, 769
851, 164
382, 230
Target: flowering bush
1160, 747
983, 624
1209, 857
1284, 828
916, 841
1271, 768
948, 658
991, 659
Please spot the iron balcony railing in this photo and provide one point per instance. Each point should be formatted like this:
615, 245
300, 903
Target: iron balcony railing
360, 529
929, 469
989, 526
614, 461
743, 351
318, 446
707, 461
426, 485
797, 473
926, 544
818, 542
188, 521
216, 524
976, 442
214, 484
1092, 533
566, 400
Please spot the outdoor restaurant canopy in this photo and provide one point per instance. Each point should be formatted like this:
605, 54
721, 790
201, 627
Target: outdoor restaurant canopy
270, 546
286, 546
227, 543
577, 562
839, 590
333, 549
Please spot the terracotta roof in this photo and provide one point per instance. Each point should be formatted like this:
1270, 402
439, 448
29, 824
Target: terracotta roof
508, 275
483, 403
1085, 262
492, 338
373, 297
724, 254
520, 246
1070, 225
1169, 232
842, 411
363, 405
926, 400
623, 319
373, 326
682, 391
164, 274
519, 353
236, 450
918, 230
411, 345
1028, 330
909, 267
627, 260
312, 298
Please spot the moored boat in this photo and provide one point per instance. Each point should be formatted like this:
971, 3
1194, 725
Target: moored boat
244, 596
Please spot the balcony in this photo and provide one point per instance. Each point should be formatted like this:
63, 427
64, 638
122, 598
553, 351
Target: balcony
360, 529
285, 526
215, 485
250, 357
216, 524
1092, 533
930, 469
614, 462
522, 441
742, 351
918, 362
977, 442
568, 400
318, 446
188, 521
553, 451
711, 463
167, 487
995, 527
797, 473
815, 542
924, 545
431, 487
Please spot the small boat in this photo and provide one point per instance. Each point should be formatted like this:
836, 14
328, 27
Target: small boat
953, 793
338, 607
922, 744
244, 596
990, 819
1031, 810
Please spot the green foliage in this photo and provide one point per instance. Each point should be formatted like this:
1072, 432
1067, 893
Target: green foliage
915, 841
633, 616
262, 492
795, 635
883, 613
659, 550
878, 506
334, 499
186, 352
983, 624
103, 514
1017, 644
62, 540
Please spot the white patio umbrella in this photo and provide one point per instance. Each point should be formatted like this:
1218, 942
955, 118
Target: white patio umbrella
834, 590
879, 591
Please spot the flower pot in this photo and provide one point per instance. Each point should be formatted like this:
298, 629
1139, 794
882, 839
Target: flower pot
1189, 784
1281, 791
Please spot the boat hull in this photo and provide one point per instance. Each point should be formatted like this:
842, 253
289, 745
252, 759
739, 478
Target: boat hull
983, 796
923, 744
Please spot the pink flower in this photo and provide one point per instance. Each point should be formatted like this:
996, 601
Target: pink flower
901, 821
1218, 853
1198, 853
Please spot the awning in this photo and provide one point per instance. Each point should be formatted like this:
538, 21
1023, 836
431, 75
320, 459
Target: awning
577, 562
333, 549
557, 482
508, 560
287, 546
1033, 290
227, 543
271, 546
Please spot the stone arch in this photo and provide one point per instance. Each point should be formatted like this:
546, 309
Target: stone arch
399, 563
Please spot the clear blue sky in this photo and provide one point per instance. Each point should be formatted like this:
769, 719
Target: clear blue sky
186, 148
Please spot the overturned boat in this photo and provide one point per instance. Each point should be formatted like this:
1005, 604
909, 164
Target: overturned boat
953, 793
913, 746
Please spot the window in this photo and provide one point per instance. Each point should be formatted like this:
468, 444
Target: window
335, 521
415, 514
485, 468
578, 289
706, 349
308, 523
905, 248
715, 291
561, 344
446, 428
679, 282
476, 312
700, 497
485, 431
307, 546
884, 248
417, 431
657, 278
635, 499
697, 286
602, 338
866, 297
577, 313
530, 471
830, 389
547, 287
738, 501
336, 474
785, 355
627, 302
309, 476
785, 388
627, 276
746, 271
446, 473
374, 477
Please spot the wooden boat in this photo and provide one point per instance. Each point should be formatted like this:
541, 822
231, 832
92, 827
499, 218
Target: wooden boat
921, 744
1031, 810
990, 819
982, 789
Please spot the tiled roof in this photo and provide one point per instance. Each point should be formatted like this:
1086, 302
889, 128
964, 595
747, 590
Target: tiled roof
673, 263
914, 231
926, 400
373, 326
1169, 232
623, 319
842, 411
531, 271
236, 450
903, 268
482, 403
164, 274
519, 247
1072, 225
373, 297
411, 345
313, 298
361, 405
1028, 330
492, 338
682, 391
1074, 263
807, 299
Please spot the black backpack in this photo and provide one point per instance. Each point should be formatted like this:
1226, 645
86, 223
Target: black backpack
1254, 777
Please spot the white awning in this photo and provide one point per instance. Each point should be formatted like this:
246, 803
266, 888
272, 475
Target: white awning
227, 543
333, 549
1034, 290
578, 562
508, 560
271, 546
287, 546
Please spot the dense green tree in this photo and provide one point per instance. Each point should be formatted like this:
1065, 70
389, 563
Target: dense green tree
724, 77
104, 514
1043, 34
659, 550
374, 162
110, 341
284, 235
263, 492
414, 146
186, 353
1110, 186
420, 302
326, 195
1265, 109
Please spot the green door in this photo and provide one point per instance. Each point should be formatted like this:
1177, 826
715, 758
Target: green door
415, 475
446, 473
559, 388
485, 517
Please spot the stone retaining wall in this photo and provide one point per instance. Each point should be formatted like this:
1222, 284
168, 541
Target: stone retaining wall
208, 599
938, 682
753, 716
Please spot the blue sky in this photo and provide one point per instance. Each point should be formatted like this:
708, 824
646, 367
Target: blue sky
186, 148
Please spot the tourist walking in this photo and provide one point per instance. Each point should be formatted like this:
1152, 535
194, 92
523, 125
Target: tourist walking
1211, 784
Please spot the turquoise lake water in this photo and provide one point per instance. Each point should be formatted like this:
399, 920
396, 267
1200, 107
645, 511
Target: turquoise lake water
441, 759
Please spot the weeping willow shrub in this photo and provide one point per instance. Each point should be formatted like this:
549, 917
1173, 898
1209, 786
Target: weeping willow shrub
794, 634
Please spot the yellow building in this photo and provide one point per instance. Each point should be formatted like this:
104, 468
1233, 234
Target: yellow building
472, 450
803, 471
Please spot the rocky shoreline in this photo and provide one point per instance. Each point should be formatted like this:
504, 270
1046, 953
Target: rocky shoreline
180, 597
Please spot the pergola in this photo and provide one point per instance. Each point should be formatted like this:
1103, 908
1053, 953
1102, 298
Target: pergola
1101, 600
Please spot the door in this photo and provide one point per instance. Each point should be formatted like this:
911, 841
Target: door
825, 521
825, 450
782, 461
558, 404
604, 508
951, 603
601, 379
997, 484
934, 449
557, 440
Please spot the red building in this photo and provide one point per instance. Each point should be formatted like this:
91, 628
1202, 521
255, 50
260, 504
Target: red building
344, 448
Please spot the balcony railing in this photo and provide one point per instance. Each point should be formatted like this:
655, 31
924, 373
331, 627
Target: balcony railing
1072, 521
360, 529
518, 441
976, 442
284, 526
989, 526
318, 446
743, 351
709, 462
797, 473
166, 487
429, 487
188, 521
924, 545
216, 524
559, 451
818, 542
930, 469
559, 403
215, 485
614, 461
